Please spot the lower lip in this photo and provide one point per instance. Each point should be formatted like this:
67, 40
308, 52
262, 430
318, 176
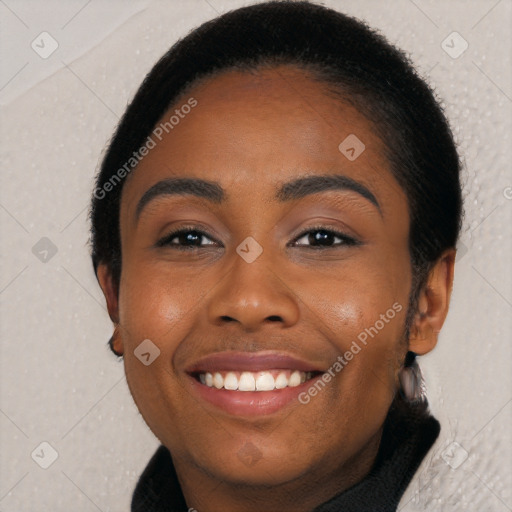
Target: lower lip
250, 403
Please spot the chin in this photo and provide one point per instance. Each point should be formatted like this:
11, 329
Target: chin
256, 474
253, 462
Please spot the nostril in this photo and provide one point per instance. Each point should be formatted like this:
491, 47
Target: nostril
274, 318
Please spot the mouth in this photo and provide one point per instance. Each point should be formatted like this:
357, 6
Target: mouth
267, 380
251, 384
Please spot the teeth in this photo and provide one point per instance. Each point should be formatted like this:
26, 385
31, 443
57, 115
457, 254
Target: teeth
265, 382
230, 381
294, 379
218, 381
247, 382
281, 381
254, 381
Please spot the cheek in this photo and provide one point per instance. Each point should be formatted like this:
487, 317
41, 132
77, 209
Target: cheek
158, 304
351, 298
362, 313
154, 299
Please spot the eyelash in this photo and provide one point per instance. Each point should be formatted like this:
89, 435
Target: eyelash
346, 240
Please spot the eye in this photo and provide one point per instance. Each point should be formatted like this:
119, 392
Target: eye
190, 238
186, 238
320, 237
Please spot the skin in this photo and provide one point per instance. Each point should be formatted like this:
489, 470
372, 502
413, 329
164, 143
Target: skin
251, 132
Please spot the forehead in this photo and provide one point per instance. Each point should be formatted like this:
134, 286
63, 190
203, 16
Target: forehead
256, 130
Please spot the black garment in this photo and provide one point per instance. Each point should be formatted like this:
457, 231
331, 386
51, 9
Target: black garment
409, 433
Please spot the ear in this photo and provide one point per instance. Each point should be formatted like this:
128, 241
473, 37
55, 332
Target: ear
433, 304
111, 293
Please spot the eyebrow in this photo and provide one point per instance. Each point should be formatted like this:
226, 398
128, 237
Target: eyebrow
295, 189
179, 186
307, 185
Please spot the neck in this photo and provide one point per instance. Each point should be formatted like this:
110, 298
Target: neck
206, 493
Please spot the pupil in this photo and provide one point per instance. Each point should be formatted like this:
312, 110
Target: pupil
322, 236
190, 237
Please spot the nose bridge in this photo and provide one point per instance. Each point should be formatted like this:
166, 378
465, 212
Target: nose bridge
252, 293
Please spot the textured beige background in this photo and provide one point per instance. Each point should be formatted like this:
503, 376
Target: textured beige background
60, 384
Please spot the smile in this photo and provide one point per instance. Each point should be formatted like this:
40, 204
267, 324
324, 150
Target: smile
255, 381
250, 384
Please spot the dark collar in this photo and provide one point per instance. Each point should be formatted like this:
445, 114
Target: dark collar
409, 433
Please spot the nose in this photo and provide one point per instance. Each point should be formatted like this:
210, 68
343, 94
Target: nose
252, 295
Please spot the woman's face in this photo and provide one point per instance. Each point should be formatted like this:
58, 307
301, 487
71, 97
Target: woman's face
279, 271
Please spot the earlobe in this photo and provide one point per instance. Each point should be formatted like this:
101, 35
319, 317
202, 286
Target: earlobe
433, 305
115, 343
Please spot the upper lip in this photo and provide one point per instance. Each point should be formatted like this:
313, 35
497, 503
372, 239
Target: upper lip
250, 361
